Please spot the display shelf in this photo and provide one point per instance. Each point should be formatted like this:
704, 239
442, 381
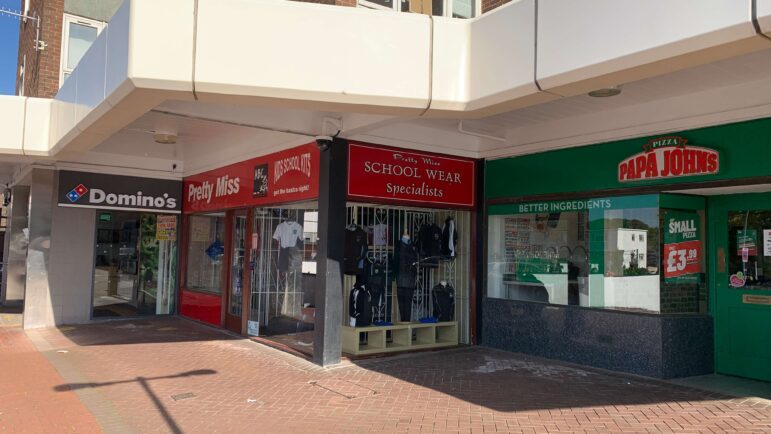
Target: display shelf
404, 337
447, 333
424, 334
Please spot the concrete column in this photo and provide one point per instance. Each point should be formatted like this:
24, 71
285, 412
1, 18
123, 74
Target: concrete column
16, 240
327, 345
38, 304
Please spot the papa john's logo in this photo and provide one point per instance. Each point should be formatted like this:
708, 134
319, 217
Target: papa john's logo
76, 193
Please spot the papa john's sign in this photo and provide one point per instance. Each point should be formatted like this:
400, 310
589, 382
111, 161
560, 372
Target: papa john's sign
285, 176
392, 175
669, 157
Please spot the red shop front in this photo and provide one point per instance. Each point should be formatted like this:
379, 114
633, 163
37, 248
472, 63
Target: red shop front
249, 244
399, 223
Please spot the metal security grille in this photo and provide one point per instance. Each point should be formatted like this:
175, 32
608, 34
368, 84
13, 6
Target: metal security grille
278, 294
385, 226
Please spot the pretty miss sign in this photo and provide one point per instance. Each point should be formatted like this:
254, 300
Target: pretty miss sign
286, 176
669, 157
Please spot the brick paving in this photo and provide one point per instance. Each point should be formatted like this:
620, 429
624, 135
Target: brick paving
171, 375
28, 404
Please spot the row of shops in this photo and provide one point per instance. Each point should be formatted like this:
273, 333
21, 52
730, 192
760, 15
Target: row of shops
639, 255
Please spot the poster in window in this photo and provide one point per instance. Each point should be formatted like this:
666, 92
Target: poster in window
747, 242
200, 229
766, 242
682, 246
166, 228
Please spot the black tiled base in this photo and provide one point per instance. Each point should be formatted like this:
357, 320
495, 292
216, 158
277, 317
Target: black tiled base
661, 346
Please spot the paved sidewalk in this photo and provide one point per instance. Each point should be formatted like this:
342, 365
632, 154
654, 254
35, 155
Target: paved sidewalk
171, 375
28, 403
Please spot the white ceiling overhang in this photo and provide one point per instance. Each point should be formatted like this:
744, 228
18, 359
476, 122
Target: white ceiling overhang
306, 58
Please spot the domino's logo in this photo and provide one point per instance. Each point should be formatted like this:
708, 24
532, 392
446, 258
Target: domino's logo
76, 193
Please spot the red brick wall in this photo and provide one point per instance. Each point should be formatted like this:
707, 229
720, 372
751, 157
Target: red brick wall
42, 67
488, 5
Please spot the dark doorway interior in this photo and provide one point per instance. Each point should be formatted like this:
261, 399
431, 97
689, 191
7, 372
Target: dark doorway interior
133, 270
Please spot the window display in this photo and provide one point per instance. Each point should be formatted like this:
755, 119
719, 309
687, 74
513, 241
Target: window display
205, 252
409, 265
355, 250
601, 253
283, 271
444, 301
406, 276
360, 306
543, 257
430, 244
289, 234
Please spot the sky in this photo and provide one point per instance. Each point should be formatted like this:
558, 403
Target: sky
9, 46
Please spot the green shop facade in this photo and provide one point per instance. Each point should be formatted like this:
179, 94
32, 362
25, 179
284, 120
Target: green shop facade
649, 255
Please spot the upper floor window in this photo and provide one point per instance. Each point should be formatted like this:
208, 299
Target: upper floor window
447, 8
78, 35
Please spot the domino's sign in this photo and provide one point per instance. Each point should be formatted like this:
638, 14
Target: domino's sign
97, 190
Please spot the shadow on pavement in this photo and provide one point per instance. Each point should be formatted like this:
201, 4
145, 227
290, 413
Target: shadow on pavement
144, 382
505, 382
486, 377
142, 331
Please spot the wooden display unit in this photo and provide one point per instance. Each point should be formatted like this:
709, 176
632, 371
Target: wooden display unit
399, 337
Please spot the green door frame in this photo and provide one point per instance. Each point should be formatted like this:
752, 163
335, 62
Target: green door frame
717, 216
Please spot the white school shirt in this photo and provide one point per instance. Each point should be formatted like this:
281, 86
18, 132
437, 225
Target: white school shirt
288, 233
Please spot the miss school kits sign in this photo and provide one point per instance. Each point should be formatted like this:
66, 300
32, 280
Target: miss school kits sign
394, 175
286, 176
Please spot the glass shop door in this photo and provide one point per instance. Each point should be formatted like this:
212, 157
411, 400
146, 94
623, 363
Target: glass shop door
237, 278
741, 229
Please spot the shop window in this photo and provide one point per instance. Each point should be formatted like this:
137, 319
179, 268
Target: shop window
631, 257
414, 264
539, 257
683, 288
78, 35
602, 253
206, 251
283, 273
749, 241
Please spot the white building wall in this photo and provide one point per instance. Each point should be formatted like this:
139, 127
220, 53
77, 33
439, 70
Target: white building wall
72, 263
60, 258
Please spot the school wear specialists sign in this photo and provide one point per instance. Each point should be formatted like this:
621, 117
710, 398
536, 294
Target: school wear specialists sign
669, 157
395, 175
286, 176
98, 190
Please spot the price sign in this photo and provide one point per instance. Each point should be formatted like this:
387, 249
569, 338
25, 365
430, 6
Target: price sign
682, 259
682, 246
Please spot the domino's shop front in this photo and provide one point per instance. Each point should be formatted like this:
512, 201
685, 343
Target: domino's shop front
649, 255
115, 238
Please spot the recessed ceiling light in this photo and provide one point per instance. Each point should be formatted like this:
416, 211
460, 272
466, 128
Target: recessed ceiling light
606, 92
